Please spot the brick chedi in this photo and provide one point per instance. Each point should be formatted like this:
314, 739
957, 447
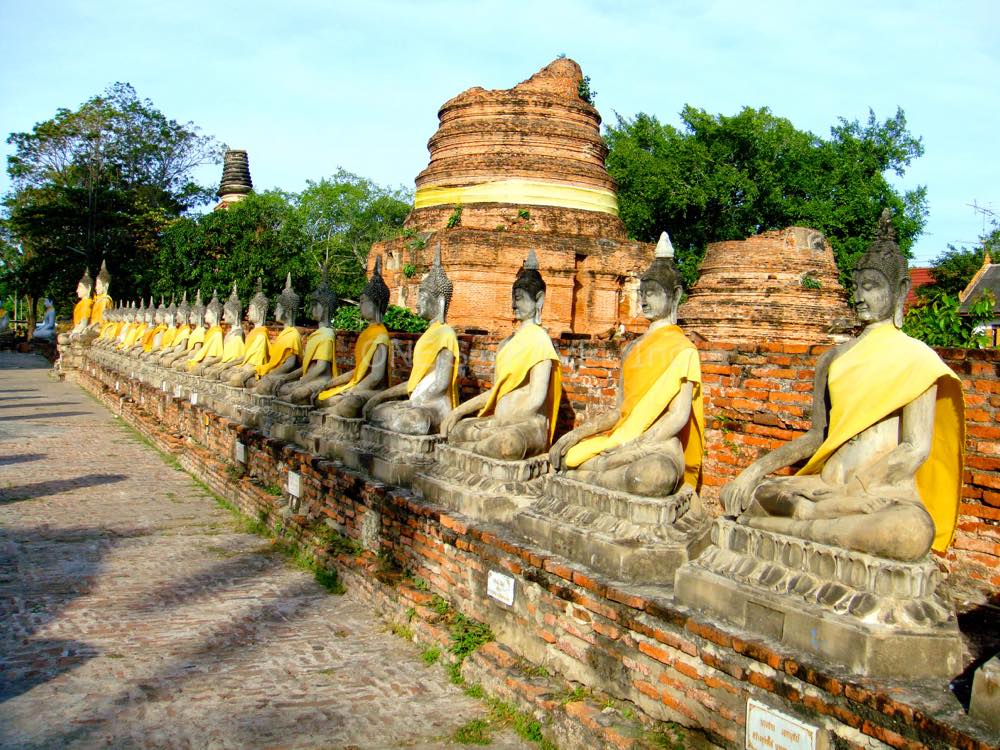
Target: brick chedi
514, 170
779, 286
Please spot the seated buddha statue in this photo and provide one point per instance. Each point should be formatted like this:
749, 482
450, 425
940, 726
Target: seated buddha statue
189, 339
140, 322
241, 372
884, 454
177, 344
81, 310
165, 332
102, 298
114, 321
652, 442
418, 406
127, 323
232, 344
211, 350
516, 418
301, 385
151, 339
46, 330
285, 352
345, 395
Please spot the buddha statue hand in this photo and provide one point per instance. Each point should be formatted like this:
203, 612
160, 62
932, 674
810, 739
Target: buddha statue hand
737, 495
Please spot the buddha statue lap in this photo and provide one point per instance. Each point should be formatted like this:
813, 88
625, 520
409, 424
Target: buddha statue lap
844, 541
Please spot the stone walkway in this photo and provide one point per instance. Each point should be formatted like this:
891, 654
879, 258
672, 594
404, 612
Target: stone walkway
132, 614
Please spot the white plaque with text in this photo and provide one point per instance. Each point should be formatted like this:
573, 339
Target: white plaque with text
770, 729
194, 398
500, 587
241, 452
294, 484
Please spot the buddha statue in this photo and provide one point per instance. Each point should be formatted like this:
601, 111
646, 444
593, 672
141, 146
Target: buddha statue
136, 328
516, 418
196, 339
114, 321
652, 442
177, 344
46, 330
319, 364
345, 395
166, 331
145, 330
241, 372
211, 351
102, 300
128, 323
232, 344
81, 310
884, 454
191, 315
418, 406
285, 352
152, 339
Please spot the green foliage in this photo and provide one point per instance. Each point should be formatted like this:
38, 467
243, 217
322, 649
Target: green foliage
936, 321
584, 90
475, 732
954, 268
810, 282
430, 655
409, 270
524, 213
403, 631
439, 605
728, 177
401, 319
456, 217
348, 318
467, 635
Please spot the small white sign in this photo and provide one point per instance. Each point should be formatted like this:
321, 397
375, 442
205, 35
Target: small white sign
132, 375
142, 399
177, 391
194, 398
294, 484
500, 586
770, 729
116, 385
241, 452
163, 386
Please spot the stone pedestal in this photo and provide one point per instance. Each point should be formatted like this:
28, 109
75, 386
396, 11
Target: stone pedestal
872, 616
639, 540
288, 421
334, 437
985, 704
395, 458
232, 402
482, 488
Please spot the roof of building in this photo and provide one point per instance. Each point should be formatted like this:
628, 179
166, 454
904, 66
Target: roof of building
987, 278
918, 277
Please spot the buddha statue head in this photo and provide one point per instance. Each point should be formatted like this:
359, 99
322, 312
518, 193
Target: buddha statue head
140, 313
85, 285
881, 277
286, 304
170, 314
151, 311
660, 288
322, 299
232, 311
161, 312
436, 289
197, 314
258, 305
528, 292
103, 279
213, 311
375, 296
183, 310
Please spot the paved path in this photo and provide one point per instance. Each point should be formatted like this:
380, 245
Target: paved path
133, 615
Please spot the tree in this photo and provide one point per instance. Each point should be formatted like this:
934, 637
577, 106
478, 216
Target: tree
954, 268
728, 177
936, 321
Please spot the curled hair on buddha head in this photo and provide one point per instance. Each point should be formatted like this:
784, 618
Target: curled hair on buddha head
288, 299
528, 278
233, 306
323, 295
436, 283
259, 299
376, 289
884, 256
663, 270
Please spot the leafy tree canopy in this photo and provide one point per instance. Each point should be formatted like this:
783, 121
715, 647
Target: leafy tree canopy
729, 177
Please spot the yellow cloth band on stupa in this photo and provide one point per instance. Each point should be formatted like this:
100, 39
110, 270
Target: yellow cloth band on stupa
287, 344
364, 351
255, 348
437, 337
880, 374
212, 347
320, 347
520, 192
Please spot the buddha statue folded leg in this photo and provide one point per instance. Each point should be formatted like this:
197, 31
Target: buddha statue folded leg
637, 469
494, 438
404, 417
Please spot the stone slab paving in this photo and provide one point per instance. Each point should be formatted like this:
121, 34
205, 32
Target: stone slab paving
132, 614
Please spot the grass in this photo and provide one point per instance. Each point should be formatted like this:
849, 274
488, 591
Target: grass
431, 655
475, 732
401, 630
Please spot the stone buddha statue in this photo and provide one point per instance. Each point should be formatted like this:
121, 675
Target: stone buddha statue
128, 323
232, 345
177, 344
516, 418
163, 338
241, 372
653, 441
196, 339
285, 352
114, 321
145, 329
102, 300
211, 350
152, 339
191, 316
884, 455
136, 328
431, 391
46, 330
81, 310
319, 364
345, 395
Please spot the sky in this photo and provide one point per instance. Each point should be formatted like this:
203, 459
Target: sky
307, 86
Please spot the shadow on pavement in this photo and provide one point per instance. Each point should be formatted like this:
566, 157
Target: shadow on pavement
47, 403
21, 458
42, 489
50, 415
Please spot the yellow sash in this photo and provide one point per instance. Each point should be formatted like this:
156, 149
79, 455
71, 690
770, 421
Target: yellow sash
653, 373
150, 335
288, 343
255, 348
364, 350
109, 331
197, 336
181, 337
233, 346
528, 346
212, 347
884, 372
167, 339
320, 347
135, 331
81, 310
437, 337
101, 303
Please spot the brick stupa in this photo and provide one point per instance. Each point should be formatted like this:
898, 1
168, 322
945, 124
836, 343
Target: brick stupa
526, 167
779, 286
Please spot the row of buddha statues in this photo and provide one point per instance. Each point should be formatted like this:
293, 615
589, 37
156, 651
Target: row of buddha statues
877, 476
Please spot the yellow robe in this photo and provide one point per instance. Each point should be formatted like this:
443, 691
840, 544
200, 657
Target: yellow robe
212, 348
81, 310
150, 335
880, 374
181, 337
287, 344
525, 349
167, 339
255, 347
232, 347
109, 331
654, 371
320, 347
437, 337
364, 350
101, 303
197, 336
135, 331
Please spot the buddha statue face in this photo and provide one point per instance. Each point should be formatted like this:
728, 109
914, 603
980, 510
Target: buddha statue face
655, 302
229, 316
279, 311
82, 290
426, 308
211, 317
369, 309
527, 306
256, 314
319, 313
102, 287
875, 299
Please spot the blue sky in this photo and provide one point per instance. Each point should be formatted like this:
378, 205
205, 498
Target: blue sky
306, 86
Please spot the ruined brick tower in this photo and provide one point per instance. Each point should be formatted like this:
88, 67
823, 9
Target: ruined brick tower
511, 170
